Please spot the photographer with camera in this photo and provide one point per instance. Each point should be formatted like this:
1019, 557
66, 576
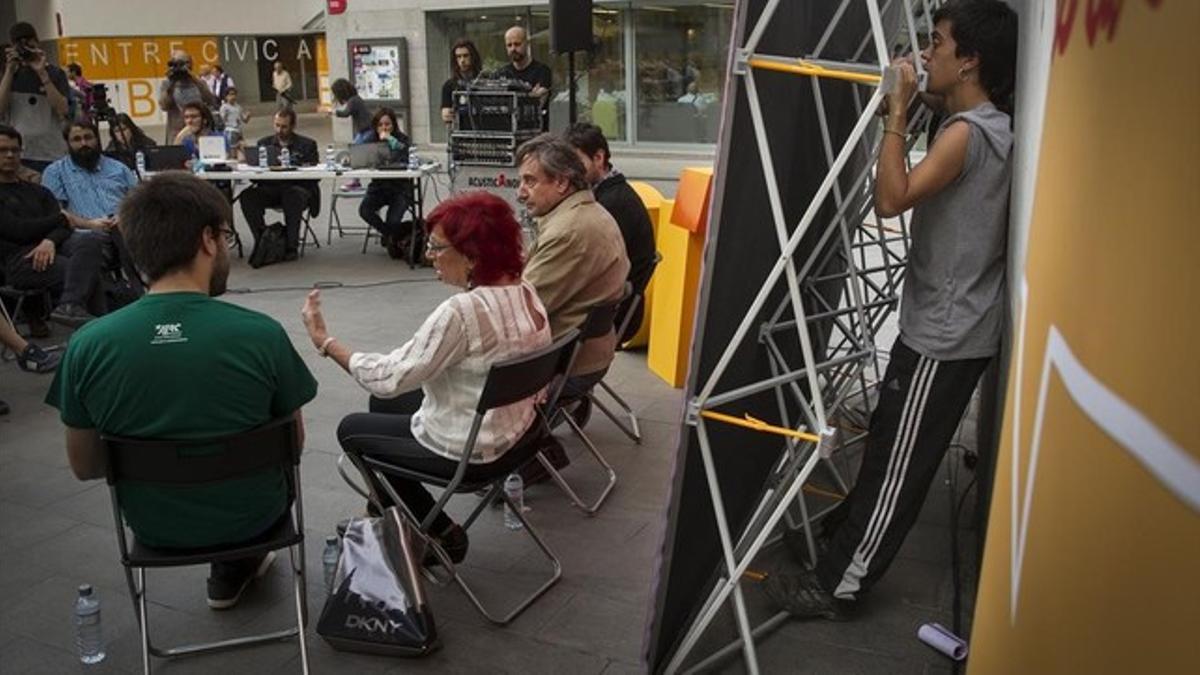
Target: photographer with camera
33, 98
180, 88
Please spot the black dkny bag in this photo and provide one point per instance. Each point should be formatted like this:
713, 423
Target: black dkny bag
378, 605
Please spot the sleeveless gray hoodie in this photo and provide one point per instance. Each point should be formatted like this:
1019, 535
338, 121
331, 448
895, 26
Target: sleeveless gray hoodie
952, 305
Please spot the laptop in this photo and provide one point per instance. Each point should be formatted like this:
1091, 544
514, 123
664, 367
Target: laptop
272, 155
166, 157
212, 150
377, 156
368, 155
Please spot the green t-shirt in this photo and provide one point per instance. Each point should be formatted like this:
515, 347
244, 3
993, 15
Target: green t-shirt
182, 366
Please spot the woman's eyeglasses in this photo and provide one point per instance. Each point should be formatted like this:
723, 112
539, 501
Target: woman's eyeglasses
433, 250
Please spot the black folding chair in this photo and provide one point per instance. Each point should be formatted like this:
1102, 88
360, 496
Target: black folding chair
189, 463
507, 382
628, 425
599, 322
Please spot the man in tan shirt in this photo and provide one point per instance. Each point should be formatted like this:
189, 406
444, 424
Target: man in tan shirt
579, 259
577, 262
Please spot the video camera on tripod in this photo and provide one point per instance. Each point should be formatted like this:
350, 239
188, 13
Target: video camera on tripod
100, 109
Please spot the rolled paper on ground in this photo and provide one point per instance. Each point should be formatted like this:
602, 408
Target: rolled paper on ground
935, 635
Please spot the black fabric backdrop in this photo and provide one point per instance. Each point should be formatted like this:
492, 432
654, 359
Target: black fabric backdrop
741, 249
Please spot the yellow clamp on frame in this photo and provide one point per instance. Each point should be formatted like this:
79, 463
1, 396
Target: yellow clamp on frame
802, 67
759, 425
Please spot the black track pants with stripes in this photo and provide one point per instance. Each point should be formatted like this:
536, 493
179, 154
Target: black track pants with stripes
920, 404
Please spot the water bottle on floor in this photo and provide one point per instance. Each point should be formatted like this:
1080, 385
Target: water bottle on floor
514, 488
89, 636
329, 561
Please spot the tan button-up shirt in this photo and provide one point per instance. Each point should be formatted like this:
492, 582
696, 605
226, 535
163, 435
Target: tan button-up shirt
578, 262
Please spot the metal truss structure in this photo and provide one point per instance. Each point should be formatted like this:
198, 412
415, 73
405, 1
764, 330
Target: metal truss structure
859, 256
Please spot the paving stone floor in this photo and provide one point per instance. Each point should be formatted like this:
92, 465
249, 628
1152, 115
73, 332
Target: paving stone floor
56, 532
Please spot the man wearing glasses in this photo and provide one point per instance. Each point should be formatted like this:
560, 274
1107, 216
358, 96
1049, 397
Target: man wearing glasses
180, 364
37, 249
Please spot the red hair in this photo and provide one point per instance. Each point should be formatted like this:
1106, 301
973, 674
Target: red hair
482, 227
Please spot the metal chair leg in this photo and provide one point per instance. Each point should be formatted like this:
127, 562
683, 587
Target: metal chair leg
143, 623
589, 509
299, 591
629, 428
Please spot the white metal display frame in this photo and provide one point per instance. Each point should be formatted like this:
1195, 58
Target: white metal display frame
839, 373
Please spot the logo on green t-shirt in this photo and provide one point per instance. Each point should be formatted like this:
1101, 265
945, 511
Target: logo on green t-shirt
168, 333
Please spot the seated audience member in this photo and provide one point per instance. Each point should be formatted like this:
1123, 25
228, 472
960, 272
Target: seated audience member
197, 121
394, 194
618, 198
350, 104
125, 140
293, 196
435, 379
120, 375
578, 260
89, 184
38, 249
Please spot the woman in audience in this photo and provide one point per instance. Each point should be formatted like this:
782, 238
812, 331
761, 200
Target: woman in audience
390, 193
434, 379
126, 139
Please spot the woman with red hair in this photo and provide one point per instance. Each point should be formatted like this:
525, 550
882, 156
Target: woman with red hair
434, 380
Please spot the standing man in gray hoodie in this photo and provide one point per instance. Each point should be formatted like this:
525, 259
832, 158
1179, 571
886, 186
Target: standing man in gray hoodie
951, 312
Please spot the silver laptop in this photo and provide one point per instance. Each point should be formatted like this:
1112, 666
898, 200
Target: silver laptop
369, 155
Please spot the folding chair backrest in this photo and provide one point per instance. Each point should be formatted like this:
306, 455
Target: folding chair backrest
203, 461
601, 318
521, 377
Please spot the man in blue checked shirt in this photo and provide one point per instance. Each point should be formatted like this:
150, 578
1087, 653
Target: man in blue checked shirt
90, 187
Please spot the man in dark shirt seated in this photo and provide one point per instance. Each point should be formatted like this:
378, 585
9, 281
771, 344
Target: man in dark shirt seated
614, 194
522, 66
293, 196
37, 249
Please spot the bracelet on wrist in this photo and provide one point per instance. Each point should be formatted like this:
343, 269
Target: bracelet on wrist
886, 130
323, 350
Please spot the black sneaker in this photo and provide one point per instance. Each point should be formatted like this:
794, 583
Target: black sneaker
797, 545
37, 360
230, 579
454, 542
802, 596
71, 315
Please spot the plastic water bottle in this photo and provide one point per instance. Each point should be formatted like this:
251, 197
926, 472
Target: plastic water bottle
262, 156
140, 162
330, 157
329, 561
89, 635
285, 156
414, 162
514, 488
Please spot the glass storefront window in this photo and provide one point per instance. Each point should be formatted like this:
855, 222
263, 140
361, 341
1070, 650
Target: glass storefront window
600, 76
670, 93
680, 57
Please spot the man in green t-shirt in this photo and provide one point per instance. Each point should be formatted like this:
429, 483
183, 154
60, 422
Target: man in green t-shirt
178, 364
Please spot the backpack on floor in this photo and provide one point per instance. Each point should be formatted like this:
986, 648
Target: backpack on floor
270, 247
